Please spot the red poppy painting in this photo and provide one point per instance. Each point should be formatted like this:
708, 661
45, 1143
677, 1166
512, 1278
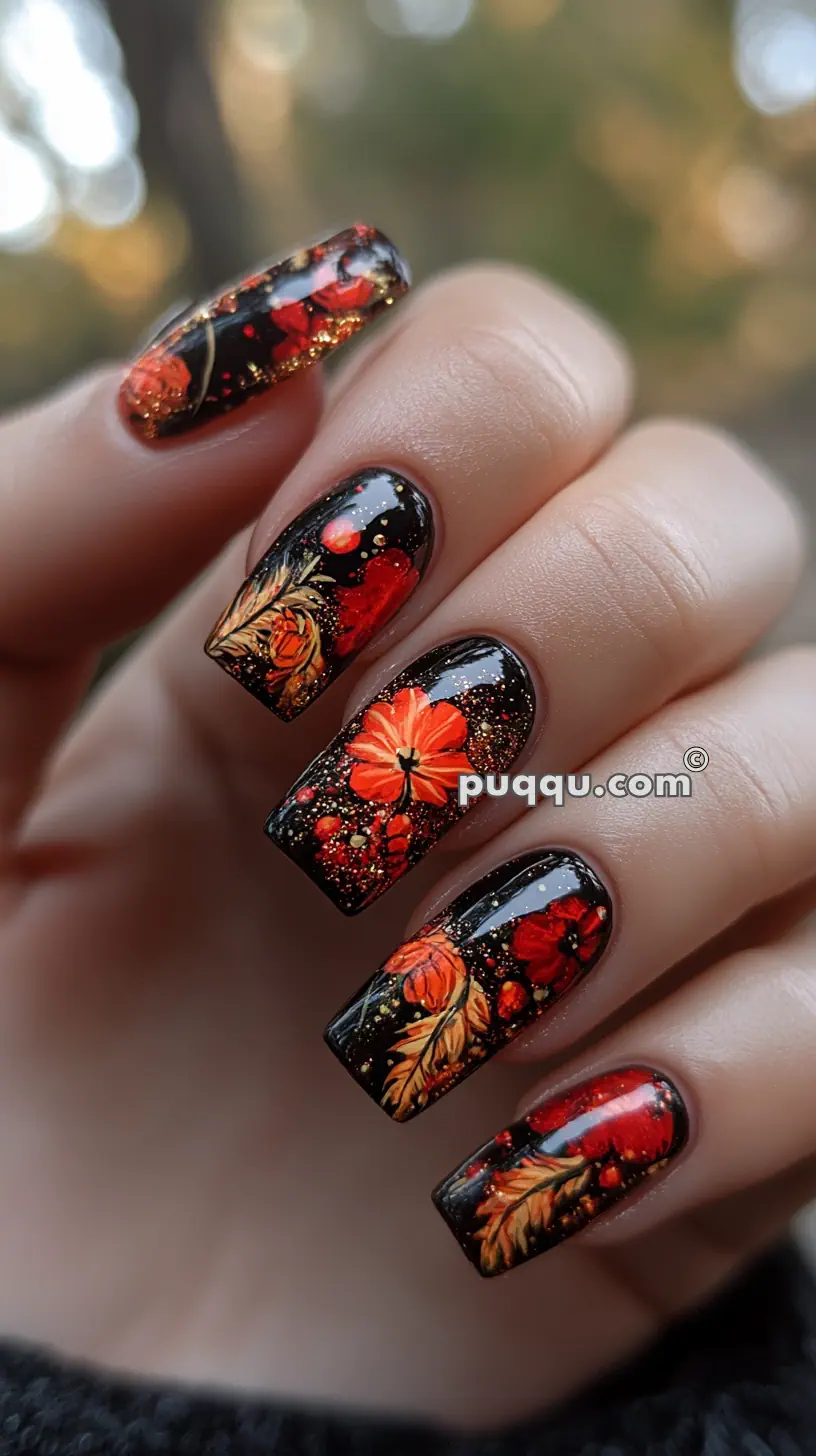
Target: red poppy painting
386, 584
557, 944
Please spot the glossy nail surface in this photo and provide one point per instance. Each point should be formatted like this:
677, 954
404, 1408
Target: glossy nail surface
546, 1177
499, 956
260, 330
386, 789
320, 593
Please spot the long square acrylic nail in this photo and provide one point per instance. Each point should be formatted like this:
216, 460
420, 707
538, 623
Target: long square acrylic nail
506, 951
549, 1175
258, 331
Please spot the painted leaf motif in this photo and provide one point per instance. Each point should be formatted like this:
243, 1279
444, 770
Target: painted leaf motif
245, 626
435, 1049
521, 1204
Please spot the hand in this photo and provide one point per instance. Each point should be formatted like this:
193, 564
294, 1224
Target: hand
191, 1186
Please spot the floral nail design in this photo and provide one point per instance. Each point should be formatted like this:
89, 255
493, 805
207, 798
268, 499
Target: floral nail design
324, 589
549, 1175
260, 330
497, 958
371, 805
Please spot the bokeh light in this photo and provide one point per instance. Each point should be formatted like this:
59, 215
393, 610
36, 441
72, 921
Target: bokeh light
426, 19
657, 159
29, 203
75, 121
91, 124
775, 53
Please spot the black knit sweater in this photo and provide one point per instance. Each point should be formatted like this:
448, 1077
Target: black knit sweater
739, 1377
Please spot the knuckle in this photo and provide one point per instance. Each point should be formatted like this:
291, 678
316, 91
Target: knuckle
703, 452
531, 378
653, 572
539, 346
759, 785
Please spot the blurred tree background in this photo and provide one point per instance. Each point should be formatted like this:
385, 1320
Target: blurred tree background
656, 156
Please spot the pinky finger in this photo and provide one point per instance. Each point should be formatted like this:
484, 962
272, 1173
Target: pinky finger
702, 1097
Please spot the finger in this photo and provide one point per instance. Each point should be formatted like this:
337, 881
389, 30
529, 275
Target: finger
733, 1092
651, 573
634, 886
97, 534
695, 591
488, 376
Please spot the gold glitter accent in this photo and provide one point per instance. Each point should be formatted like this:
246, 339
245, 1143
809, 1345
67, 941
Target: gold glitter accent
379, 539
357, 841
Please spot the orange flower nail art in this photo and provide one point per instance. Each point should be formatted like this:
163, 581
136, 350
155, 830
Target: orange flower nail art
392, 775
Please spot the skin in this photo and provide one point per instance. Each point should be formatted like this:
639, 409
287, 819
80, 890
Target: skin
191, 1187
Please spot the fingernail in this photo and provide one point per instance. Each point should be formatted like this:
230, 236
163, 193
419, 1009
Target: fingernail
546, 1177
260, 330
328, 585
498, 957
386, 789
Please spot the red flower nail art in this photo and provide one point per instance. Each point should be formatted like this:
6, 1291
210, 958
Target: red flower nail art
387, 583
549, 1175
639, 1132
560, 941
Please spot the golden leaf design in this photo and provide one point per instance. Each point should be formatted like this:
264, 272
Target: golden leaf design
435, 1048
245, 626
521, 1203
